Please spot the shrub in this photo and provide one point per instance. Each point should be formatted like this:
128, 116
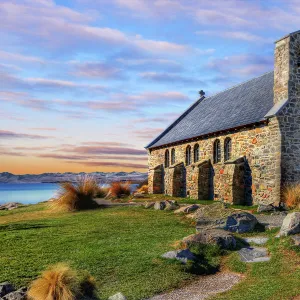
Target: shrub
77, 196
144, 182
60, 282
208, 259
291, 195
101, 192
119, 189
143, 189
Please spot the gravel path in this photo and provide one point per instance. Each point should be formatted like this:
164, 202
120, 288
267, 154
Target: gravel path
203, 288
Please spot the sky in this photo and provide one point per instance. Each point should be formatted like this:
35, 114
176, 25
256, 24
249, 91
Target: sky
85, 85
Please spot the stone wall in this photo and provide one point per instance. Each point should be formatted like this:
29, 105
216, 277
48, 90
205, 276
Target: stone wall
287, 86
260, 146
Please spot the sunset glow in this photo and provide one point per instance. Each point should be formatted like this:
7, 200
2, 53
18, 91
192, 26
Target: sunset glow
85, 85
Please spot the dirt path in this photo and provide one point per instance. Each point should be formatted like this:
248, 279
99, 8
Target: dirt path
203, 288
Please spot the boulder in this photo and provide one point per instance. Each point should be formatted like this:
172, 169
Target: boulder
149, 204
218, 237
9, 206
160, 205
258, 240
182, 255
5, 288
266, 208
140, 195
20, 294
171, 205
252, 255
239, 222
291, 224
118, 296
296, 239
187, 209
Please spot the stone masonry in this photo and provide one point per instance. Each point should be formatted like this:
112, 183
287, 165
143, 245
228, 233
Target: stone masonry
264, 158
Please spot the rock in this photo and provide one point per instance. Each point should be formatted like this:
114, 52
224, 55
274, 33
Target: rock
171, 205
251, 255
296, 239
187, 209
5, 288
191, 208
259, 240
240, 222
182, 255
140, 195
266, 208
291, 224
270, 221
9, 206
160, 205
279, 213
20, 294
118, 296
218, 237
149, 204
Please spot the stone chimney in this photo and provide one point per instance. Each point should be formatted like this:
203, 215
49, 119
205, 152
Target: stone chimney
287, 67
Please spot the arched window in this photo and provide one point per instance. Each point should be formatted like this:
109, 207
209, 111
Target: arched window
173, 157
196, 153
167, 159
217, 151
227, 149
188, 155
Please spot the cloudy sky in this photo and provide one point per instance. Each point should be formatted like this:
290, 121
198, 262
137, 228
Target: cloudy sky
86, 84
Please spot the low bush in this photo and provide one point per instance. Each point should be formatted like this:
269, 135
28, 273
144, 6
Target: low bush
77, 196
102, 192
291, 195
60, 282
119, 190
143, 189
208, 259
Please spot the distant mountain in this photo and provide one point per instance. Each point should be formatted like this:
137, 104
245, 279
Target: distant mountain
101, 177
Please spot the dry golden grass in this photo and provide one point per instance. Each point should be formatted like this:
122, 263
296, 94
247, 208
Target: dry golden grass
118, 190
77, 196
59, 282
291, 195
143, 189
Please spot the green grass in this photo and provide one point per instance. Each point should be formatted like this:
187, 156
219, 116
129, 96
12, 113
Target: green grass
277, 279
120, 247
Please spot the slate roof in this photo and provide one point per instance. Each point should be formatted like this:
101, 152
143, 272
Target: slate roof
244, 104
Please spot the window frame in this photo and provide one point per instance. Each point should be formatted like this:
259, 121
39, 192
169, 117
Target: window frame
167, 158
227, 149
188, 155
173, 156
196, 153
217, 154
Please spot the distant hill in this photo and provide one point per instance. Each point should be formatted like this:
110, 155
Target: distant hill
101, 177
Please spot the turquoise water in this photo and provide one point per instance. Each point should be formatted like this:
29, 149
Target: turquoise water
31, 193
26, 193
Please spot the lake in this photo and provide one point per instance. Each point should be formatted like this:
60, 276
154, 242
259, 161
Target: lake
30, 193
27, 193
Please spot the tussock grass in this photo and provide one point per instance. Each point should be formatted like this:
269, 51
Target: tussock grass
143, 189
76, 196
118, 190
59, 282
291, 195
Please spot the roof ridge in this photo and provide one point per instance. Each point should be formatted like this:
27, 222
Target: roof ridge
232, 87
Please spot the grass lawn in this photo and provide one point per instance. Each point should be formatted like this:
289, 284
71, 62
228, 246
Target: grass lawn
120, 247
277, 279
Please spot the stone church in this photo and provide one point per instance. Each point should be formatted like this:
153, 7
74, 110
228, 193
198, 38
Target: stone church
242, 145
